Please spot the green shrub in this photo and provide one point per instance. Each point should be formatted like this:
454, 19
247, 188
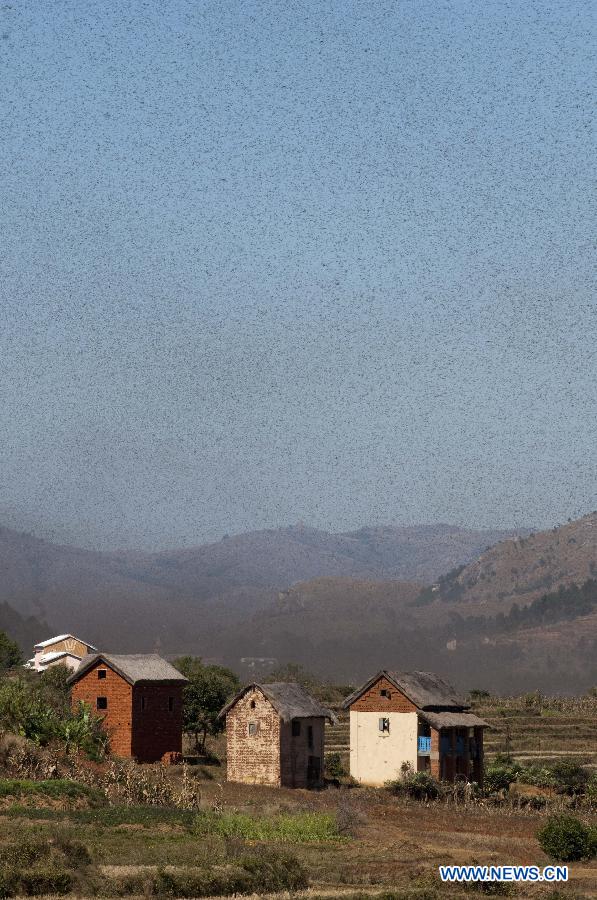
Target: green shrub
416, 786
9, 882
54, 788
274, 871
566, 839
333, 766
37, 709
592, 789
33, 867
49, 881
570, 778
75, 853
538, 776
257, 873
500, 775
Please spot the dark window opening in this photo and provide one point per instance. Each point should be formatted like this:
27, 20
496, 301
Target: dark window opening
101, 703
252, 728
310, 736
252, 704
385, 693
170, 704
384, 726
101, 673
296, 727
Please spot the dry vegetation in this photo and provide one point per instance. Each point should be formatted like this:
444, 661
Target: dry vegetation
125, 830
354, 840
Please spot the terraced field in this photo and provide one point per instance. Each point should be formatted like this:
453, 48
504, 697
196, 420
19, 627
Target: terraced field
534, 729
543, 730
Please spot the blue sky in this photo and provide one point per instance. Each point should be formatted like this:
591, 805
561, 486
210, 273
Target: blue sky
322, 261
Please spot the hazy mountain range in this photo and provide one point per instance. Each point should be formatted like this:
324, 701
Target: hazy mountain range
431, 597
130, 600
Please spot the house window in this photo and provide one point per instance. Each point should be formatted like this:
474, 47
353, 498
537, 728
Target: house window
384, 726
310, 736
252, 728
296, 727
101, 673
385, 693
252, 704
143, 703
170, 704
101, 703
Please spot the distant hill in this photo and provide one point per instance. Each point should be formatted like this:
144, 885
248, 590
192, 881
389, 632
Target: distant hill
283, 556
516, 571
510, 617
179, 600
522, 616
25, 631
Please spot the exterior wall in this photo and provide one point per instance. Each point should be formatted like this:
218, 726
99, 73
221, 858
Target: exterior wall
156, 729
255, 758
146, 734
73, 662
296, 754
372, 700
478, 769
434, 756
118, 715
376, 757
460, 754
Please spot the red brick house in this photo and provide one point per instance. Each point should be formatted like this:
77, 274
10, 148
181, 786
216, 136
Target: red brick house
140, 699
412, 718
275, 736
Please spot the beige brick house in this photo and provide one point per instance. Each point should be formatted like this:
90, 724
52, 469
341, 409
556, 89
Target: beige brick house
412, 718
275, 736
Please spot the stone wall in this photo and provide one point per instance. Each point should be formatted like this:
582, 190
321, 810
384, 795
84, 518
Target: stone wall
253, 754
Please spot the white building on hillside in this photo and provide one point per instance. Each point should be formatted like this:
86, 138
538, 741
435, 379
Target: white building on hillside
64, 649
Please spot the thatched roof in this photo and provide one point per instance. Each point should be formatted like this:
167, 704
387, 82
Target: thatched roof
425, 690
133, 667
440, 720
290, 700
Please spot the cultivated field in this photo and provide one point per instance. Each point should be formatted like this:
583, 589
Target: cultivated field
352, 842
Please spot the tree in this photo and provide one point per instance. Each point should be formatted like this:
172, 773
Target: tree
292, 672
204, 696
53, 689
10, 653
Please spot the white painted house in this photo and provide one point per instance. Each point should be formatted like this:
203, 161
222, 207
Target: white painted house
64, 649
414, 720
